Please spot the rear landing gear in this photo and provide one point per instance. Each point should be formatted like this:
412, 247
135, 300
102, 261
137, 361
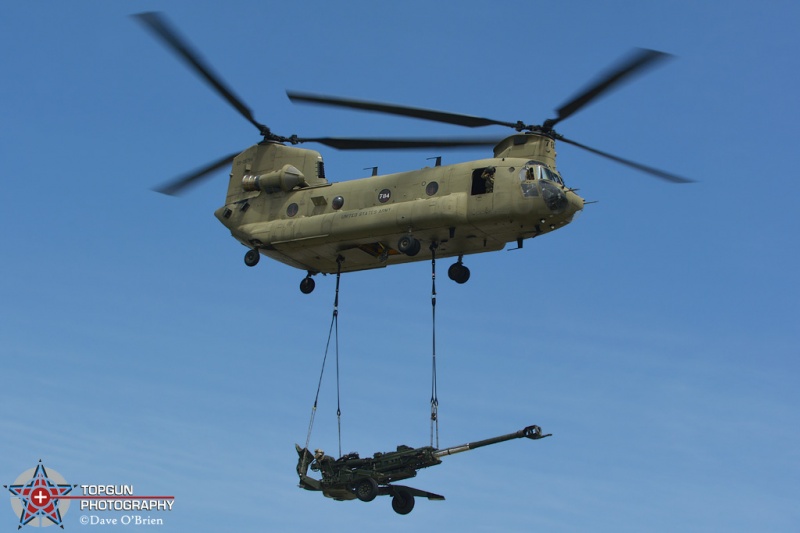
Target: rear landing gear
458, 272
307, 285
251, 257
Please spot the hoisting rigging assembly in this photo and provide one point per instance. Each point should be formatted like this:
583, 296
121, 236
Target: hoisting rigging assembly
351, 477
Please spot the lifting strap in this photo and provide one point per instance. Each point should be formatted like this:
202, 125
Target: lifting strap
434, 398
333, 329
335, 321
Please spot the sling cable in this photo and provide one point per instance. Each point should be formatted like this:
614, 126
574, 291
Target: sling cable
333, 334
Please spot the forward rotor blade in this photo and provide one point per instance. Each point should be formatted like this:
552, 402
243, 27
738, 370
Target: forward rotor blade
674, 178
177, 186
159, 25
636, 63
392, 109
398, 144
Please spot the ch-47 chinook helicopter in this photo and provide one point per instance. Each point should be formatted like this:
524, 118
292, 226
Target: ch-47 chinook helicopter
280, 204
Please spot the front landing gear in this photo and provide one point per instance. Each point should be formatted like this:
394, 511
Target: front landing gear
251, 257
458, 272
307, 285
408, 245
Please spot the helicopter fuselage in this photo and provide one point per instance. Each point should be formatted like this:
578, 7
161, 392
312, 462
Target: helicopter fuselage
280, 204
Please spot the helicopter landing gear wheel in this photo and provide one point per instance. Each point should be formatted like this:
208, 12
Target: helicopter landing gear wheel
307, 285
458, 272
251, 257
367, 489
408, 245
402, 501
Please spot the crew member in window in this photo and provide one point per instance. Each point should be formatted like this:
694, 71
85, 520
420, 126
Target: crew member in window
488, 178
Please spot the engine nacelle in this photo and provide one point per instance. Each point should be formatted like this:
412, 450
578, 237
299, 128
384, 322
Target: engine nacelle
285, 179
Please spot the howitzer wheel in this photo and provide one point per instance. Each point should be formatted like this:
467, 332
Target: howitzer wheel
367, 489
402, 501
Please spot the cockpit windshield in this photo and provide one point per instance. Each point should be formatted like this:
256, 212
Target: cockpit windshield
536, 170
554, 176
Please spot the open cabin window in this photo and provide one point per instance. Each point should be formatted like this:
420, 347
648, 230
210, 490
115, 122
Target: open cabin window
483, 180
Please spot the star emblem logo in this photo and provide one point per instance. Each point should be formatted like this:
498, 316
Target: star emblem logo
37, 497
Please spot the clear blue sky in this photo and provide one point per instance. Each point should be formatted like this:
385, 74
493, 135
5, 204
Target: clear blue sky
656, 337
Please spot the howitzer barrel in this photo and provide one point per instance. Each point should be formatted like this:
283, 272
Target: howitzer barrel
530, 432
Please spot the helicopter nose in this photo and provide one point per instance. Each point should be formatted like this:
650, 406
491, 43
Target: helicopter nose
575, 207
576, 202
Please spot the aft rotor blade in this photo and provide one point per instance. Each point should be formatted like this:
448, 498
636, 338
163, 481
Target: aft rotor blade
177, 186
392, 109
636, 63
674, 178
159, 25
397, 144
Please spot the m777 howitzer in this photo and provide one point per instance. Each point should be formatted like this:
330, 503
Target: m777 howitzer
351, 476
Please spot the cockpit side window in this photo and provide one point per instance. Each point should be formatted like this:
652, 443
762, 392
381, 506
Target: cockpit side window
528, 175
529, 188
531, 171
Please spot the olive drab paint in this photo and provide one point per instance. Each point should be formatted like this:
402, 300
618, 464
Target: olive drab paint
280, 204
306, 227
